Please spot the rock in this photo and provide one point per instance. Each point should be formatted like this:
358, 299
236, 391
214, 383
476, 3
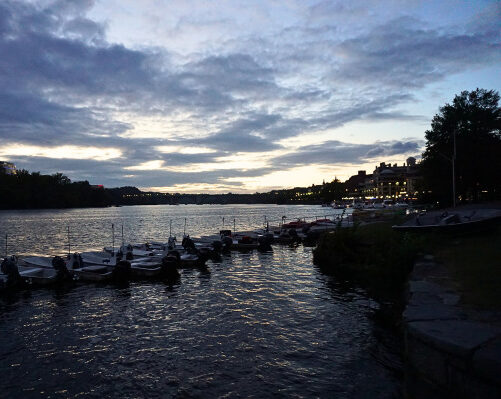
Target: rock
432, 311
459, 337
487, 361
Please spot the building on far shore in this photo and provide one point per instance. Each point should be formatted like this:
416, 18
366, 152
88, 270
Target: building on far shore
386, 182
7, 168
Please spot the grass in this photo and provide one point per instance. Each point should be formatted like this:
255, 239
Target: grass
379, 259
373, 255
474, 262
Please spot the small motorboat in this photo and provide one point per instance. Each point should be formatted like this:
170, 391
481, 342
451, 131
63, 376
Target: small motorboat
298, 225
321, 225
245, 243
146, 268
38, 276
99, 258
239, 242
456, 220
14, 274
92, 267
136, 252
39, 271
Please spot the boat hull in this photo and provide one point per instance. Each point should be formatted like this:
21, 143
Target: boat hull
93, 274
462, 225
39, 276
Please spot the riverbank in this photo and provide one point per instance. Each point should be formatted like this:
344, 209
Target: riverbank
371, 254
452, 317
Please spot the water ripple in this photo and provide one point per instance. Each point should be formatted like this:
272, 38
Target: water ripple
258, 325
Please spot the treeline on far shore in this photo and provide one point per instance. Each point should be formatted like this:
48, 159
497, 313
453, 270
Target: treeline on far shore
25, 190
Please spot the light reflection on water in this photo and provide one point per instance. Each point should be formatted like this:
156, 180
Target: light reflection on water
254, 325
44, 232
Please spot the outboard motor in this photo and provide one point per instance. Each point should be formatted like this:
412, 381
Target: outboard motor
265, 242
170, 263
175, 254
9, 268
59, 265
171, 244
217, 245
122, 271
204, 254
129, 255
212, 254
227, 243
75, 261
189, 245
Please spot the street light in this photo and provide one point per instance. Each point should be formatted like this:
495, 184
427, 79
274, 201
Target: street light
453, 161
454, 170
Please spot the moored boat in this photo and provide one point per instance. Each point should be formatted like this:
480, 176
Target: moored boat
456, 220
38, 276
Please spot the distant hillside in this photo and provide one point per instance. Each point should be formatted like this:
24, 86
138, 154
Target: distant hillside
25, 190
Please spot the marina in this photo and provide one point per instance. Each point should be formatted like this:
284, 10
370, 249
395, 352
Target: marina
250, 323
159, 259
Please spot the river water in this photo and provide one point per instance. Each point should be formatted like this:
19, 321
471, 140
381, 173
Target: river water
253, 325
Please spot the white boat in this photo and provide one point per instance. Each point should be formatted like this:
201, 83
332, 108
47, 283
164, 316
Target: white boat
146, 268
38, 276
453, 220
99, 258
136, 252
189, 260
34, 275
107, 259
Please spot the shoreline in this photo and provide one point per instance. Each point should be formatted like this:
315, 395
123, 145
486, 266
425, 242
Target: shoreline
450, 350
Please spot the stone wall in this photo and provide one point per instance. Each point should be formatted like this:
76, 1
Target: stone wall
447, 353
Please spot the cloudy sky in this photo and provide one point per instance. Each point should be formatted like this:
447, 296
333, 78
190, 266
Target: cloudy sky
233, 95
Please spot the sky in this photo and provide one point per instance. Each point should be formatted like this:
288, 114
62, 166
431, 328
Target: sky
233, 96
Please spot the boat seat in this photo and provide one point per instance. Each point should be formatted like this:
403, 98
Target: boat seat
95, 269
468, 217
146, 266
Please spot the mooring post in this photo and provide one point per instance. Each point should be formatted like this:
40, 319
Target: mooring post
69, 243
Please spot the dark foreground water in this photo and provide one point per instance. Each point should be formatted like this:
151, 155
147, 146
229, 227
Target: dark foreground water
253, 325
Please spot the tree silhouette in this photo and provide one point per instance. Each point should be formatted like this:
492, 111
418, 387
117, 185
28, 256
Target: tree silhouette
467, 131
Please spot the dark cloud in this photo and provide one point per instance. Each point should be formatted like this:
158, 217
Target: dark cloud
248, 134
337, 152
400, 54
63, 83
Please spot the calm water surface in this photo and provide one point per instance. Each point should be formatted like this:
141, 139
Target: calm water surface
253, 325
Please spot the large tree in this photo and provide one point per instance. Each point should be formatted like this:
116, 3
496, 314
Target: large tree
471, 124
